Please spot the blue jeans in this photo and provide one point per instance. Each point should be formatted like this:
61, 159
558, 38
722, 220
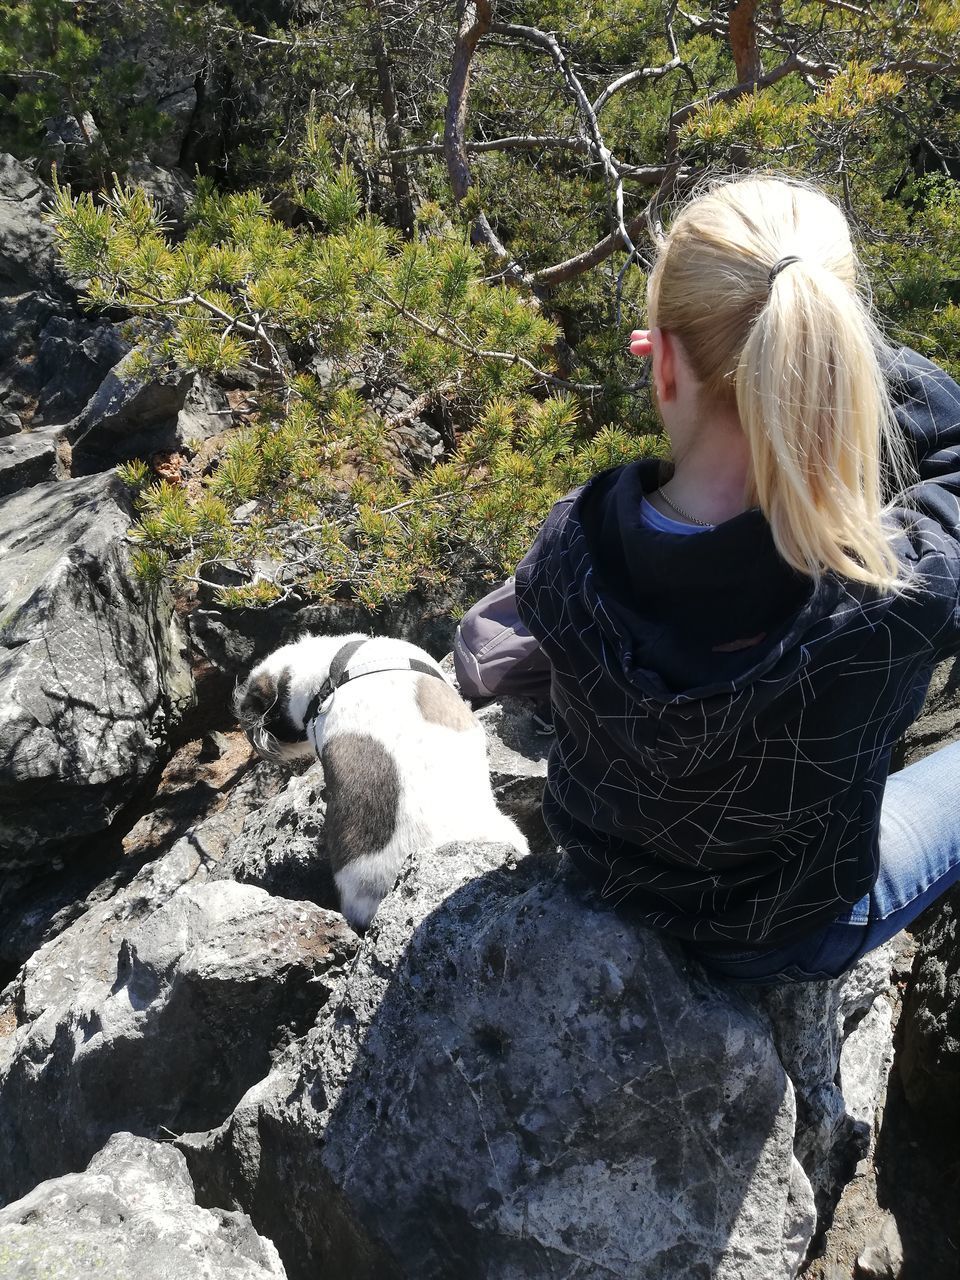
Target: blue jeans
919, 860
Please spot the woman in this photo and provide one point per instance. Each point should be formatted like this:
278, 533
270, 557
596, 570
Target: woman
734, 644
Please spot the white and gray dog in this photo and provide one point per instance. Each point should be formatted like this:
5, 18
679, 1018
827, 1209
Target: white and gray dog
404, 759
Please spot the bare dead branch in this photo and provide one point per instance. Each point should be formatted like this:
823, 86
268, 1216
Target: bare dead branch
647, 175
641, 73
548, 277
620, 232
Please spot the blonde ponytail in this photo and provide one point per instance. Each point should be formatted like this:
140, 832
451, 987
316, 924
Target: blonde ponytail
757, 280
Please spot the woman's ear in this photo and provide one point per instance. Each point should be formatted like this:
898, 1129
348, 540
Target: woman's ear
664, 365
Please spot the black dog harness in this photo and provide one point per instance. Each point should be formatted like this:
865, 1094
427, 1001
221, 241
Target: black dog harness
339, 675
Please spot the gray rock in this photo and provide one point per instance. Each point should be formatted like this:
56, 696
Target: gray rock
835, 1040
68, 137
93, 671
517, 756
281, 847
882, 1257
929, 1059
172, 189
37, 908
170, 73
73, 358
131, 1215
28, 258
235, 639
179, 106
511, 1082
28, 458
154, 1020
939, 722
133, 415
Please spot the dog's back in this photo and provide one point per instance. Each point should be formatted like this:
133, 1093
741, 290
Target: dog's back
405, 765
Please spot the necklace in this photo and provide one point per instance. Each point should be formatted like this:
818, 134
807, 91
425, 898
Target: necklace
704, 524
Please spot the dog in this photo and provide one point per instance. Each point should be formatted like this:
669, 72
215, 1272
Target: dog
404, 759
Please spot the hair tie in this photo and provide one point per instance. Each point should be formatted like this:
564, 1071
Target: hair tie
778, 267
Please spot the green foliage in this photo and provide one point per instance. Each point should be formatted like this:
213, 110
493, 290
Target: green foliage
76, 67
296, 252
311, 535
134, 474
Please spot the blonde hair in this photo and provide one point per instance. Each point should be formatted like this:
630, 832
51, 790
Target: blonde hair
793, 346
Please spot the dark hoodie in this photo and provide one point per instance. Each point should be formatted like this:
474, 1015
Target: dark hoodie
724, 727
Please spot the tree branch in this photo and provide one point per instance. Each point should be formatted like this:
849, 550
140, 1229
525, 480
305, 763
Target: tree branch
620, 233
642, 73
474, 23
793, 64
647, 175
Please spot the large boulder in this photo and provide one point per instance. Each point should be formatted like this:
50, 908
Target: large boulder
512, 1077
157, 1008
281, 847
132, 1214
204, 792
835, 1040
73, 357
28, 458
92, 666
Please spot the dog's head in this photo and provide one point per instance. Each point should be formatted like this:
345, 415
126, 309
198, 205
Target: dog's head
273, 703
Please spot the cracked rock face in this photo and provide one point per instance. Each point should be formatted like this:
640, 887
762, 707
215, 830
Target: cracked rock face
131, 1214
93, 669
134, 415
154, 1018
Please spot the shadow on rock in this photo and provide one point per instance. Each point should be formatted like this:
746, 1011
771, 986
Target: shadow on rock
512, 1082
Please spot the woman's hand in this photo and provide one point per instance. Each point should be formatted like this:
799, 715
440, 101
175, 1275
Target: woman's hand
641, 343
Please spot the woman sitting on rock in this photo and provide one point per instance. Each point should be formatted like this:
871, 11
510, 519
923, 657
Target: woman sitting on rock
734, 643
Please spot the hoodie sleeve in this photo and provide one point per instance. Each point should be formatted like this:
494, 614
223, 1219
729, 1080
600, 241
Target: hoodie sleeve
927, 406
493, 651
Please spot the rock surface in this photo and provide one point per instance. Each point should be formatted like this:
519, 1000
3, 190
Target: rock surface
517, 755
27, 255
835, 1040
156, 1008
281, 848
882, 1258
131, 1215
511, 1081
134, 415
93, 672
28, 458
